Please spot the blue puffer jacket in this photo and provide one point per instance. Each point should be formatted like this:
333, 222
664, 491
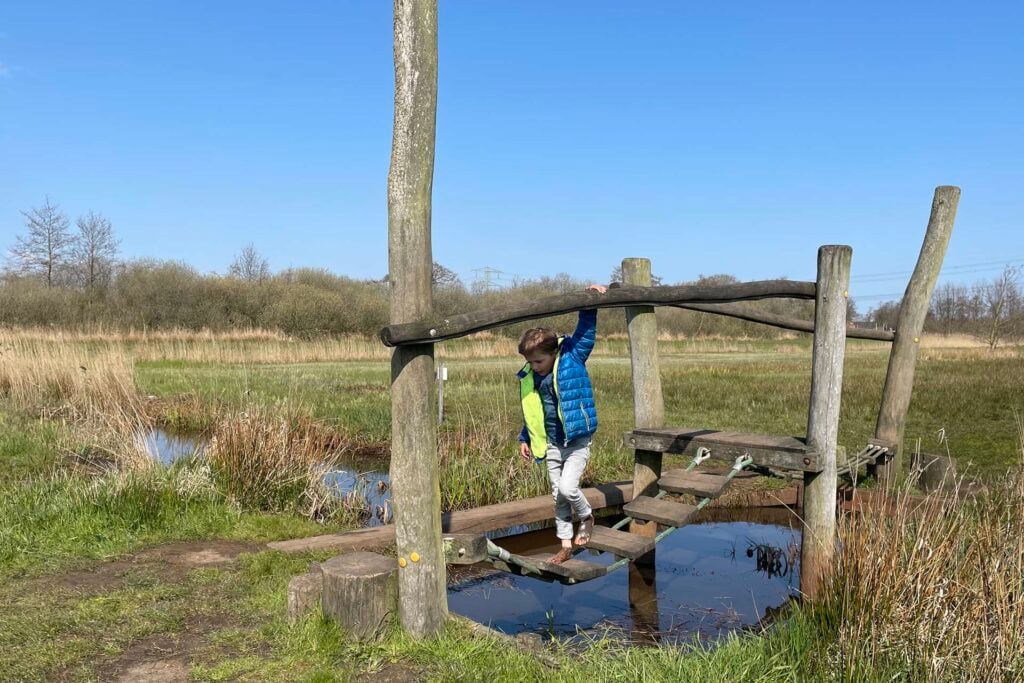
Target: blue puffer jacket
572, 387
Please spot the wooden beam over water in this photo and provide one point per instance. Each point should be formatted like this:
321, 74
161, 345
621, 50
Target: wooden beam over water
431, 331
479, 520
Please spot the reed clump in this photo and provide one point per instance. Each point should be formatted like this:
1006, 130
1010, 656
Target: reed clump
931, 587
269, 462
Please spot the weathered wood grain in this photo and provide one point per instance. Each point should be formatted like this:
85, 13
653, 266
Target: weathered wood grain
360, 592
621, 543
478, 520
648, 402
660, 510
780, 452
828, 351
415, 487
431, 330
693, 483
899, 376
742, 312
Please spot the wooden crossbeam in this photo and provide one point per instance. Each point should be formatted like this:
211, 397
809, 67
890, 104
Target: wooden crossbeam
430, 331
780, 452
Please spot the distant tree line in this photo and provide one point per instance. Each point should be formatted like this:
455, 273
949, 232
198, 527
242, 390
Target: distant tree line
989, 310
74, 278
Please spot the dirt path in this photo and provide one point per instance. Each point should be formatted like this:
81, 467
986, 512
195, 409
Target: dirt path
163, 657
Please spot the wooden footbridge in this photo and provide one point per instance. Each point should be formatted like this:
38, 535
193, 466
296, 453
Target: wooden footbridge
367, 586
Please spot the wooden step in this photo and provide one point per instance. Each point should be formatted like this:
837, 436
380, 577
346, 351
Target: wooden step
578, 570
659, 510
693, 483
621, 543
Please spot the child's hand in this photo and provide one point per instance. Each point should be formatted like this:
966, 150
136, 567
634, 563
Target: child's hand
600, 289
524, 451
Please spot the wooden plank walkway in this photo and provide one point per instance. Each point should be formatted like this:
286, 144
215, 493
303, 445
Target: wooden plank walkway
481, 519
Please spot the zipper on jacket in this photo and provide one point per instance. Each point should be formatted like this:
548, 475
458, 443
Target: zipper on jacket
585, 416
554, 386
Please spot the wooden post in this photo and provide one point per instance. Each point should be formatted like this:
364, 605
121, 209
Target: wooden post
899, 378
414, 469
648, 404
819, 509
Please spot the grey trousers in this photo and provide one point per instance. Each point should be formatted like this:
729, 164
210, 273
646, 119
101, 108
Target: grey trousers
565, 467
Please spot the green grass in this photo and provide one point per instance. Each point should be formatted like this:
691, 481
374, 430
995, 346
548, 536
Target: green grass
53, 518
971, 401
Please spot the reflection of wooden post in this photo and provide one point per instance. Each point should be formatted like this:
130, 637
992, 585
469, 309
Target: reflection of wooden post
899, 378
648, 405
643, 602
819, 511
414, 476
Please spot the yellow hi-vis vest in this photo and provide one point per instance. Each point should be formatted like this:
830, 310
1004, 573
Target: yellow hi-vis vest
533, 407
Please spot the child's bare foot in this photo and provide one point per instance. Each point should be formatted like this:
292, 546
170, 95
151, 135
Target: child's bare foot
561, 556
586, 529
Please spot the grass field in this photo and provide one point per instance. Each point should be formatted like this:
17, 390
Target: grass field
110, 566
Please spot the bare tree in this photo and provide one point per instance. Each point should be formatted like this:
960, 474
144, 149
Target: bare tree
444, 277
250, 265
44, 250
94, 250
1001, 297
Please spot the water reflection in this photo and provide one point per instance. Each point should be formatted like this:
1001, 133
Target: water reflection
701, 583
167, 447
372, 485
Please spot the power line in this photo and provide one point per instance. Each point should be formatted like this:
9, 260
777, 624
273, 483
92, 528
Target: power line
962, 269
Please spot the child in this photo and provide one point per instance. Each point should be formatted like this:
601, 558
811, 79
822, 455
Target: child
560, 418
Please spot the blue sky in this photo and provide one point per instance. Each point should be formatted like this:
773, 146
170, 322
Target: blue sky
711, 137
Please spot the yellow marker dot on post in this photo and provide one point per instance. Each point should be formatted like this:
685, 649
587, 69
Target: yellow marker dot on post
917, 339
415, 557
846, 295
402, 562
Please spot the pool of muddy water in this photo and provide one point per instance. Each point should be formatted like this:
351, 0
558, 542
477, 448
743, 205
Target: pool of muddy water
728, 571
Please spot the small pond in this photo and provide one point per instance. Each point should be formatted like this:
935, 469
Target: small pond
368, 480
167, 447
730, 570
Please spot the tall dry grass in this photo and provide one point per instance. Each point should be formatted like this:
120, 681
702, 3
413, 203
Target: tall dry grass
932, 587
34, 374
264, 461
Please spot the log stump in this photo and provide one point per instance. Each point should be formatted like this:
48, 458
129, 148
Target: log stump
304, 594
936, 472
360, 592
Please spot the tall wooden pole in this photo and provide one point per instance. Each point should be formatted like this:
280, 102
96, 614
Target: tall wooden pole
415, 487
899, 378
819, 510
648, 404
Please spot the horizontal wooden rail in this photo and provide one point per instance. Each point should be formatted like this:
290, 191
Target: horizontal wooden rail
734, 310
779, 452
477, 321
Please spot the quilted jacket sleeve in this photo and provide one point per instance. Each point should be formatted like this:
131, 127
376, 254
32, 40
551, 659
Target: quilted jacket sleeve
582, 340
